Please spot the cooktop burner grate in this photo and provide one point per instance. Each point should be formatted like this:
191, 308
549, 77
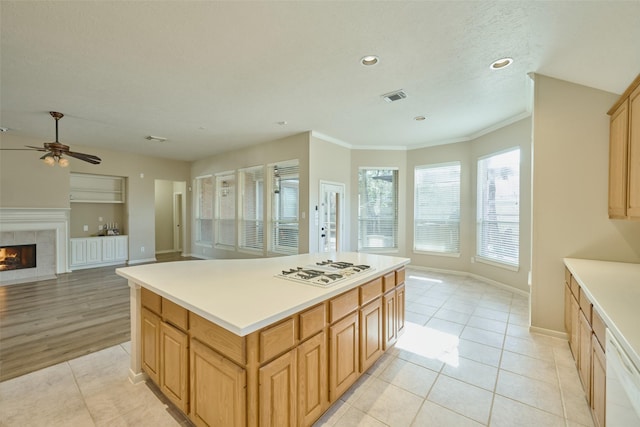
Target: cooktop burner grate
324, 273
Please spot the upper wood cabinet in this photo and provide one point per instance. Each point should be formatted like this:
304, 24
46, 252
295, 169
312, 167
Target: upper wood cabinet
624, 155
86, 188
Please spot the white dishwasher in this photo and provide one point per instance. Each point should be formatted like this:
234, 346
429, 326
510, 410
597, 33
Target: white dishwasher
623, 387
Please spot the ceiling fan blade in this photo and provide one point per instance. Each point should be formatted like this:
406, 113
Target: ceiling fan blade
86, 157
37, 148
18, 149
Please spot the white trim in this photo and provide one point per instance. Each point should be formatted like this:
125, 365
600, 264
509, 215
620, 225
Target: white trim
433, 253
548, 332
96, 265
141, 261
504, 265
486, 280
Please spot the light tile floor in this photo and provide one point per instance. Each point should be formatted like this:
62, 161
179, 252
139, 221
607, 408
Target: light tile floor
467, 358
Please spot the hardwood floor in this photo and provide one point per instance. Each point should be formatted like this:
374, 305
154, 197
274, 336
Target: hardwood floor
47, 322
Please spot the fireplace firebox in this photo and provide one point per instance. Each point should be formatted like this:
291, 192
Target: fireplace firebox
17, 257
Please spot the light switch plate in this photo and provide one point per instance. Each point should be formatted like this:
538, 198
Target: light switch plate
85, 228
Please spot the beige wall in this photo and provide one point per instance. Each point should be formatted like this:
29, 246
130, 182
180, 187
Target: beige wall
26, 182
293, 147
381, 159
330, 163
570, 173
89, 214
44, 186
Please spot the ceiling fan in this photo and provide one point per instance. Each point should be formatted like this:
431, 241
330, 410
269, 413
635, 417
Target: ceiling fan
55, 150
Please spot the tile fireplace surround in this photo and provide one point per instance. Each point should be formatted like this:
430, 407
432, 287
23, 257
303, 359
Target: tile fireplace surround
48, 229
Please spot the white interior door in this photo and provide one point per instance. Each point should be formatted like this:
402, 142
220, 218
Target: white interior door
331, 215
177, 222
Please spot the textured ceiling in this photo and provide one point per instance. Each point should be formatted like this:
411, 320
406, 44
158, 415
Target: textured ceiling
216, 76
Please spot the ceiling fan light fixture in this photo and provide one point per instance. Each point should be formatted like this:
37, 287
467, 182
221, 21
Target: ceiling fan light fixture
63, 163
49, 161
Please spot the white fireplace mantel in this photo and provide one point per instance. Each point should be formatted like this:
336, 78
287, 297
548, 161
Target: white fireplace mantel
36, 219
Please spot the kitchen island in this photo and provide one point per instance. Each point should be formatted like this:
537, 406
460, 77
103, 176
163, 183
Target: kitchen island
236, 342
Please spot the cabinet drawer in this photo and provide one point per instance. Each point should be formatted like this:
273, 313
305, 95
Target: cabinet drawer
277, 339
585, 305
598, 327
389, 281
151, 300
567, 276
575, 288
400, 276
370, 291
342, 305
312, 321
218, 338
174, 314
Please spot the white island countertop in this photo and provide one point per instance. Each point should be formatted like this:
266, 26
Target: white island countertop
614, 290
244, 295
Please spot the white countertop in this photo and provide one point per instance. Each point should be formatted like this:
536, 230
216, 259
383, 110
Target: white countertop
243, 295
614, 290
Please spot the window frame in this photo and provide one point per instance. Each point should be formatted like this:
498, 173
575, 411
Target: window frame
394, 247
275, 208
258, 220
221, 208
417, 218
199, 201
482, 253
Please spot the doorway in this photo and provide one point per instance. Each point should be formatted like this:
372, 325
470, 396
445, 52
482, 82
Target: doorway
331, 217
169, 216
177, 222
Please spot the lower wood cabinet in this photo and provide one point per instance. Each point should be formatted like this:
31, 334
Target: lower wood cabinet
584, 359
313, 399
151, 344
218, 395
370, 333
285, 374
278, 391
343, 355
174, 356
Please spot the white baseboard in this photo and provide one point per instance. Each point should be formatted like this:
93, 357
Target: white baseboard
137, 378
548, 332
141, 261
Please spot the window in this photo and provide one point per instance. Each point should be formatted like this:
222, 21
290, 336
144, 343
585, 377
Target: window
437, 208
499, 207
204, 210
251, 182
225, 220
284, 208
377, 209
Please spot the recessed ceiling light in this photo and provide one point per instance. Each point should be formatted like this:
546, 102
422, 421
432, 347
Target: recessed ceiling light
501, 63
369, 60
419, 118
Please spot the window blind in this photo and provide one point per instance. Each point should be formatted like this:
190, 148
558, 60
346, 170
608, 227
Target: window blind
377, 208
251, 181
284, 225
498, 230
225, 221
437, 208
204, 209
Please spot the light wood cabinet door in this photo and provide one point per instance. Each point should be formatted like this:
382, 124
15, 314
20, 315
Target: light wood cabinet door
633, 165
277, 392
567, 310
151, 344
618, 151
312, 379
390, 319
598, 383
584, 361
174, 365
370, 333
217, 387
574, 338
343, 355
400, 309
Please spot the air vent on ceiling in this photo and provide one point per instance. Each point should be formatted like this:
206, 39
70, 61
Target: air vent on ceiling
396, 95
